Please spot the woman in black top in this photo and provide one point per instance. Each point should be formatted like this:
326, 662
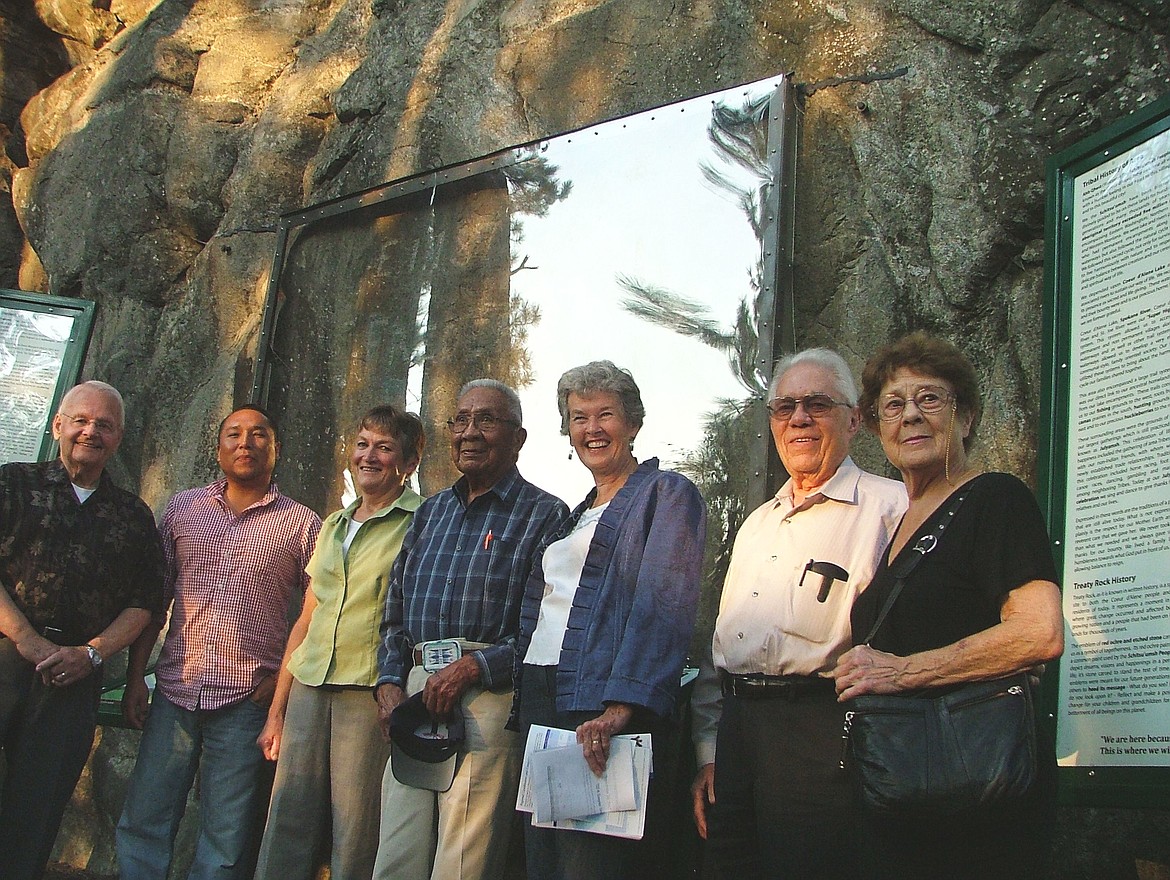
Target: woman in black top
982, 606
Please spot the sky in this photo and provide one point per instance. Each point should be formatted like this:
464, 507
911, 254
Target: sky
641, 207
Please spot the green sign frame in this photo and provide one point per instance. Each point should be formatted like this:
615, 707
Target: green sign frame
36, 370
1086, 784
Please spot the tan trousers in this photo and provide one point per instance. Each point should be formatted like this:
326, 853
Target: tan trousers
470, 839
331, 760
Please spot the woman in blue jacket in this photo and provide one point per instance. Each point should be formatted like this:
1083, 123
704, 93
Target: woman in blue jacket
608, 612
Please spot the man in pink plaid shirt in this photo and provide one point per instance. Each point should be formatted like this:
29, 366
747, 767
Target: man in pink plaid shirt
236, 553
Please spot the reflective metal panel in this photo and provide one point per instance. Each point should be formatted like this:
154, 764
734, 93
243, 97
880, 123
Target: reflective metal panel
653, 241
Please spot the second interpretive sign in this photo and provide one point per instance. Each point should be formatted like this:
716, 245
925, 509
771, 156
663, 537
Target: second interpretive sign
1113, 372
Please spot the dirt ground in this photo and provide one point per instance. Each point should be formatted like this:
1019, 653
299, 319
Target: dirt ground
63, 872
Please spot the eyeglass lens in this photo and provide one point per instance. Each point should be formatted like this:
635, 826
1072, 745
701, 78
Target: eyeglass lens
485, 421
816, 405
927, 400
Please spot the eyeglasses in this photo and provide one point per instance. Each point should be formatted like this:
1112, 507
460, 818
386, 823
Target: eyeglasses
486, 421
102, 426
929, 401
816, 405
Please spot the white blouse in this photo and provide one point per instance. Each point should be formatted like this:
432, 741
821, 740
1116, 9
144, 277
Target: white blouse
564, 560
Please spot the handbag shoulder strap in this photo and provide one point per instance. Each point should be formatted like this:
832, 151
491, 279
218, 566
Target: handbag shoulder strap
924, 545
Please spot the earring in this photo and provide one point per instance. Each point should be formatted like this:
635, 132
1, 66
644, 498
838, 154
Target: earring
570, 453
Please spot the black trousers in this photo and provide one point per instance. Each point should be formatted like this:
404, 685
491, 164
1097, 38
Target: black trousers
783, 806
46, 733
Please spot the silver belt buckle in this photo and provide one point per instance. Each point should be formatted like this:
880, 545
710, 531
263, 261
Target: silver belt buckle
439, 653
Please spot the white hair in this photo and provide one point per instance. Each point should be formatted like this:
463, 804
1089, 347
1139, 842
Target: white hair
102, 387
509, 393
821, 357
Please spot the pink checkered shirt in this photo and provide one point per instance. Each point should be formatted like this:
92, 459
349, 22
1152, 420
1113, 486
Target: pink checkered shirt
236, 583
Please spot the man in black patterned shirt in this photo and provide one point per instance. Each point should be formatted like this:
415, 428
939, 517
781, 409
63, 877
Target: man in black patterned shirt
81, 569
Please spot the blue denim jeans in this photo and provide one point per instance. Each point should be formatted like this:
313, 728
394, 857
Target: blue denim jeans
221, 745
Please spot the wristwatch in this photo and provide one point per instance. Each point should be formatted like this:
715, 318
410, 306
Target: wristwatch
95, 658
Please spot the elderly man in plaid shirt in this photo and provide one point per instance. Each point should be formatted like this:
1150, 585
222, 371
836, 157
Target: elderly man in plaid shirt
460, 576
236, 553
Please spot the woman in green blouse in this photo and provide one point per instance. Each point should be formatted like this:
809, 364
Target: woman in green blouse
322, 728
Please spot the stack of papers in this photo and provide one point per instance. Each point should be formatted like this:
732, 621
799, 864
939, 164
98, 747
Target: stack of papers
559, 789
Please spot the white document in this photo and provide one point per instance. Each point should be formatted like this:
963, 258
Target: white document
559, 789
563, 786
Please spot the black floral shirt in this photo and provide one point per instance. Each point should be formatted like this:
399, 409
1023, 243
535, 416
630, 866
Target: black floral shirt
75, 566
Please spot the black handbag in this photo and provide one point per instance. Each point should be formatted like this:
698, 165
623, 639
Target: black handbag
969, 747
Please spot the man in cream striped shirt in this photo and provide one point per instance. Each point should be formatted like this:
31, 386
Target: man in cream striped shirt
769, 796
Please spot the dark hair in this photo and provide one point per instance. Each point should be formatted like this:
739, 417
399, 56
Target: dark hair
255, 407
597, 376
405, 427
930, 356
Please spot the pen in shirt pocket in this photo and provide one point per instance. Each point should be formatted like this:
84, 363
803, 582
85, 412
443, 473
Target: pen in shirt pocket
487, 540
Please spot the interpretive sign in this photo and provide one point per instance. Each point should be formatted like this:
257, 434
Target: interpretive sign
42, 345
1108, 470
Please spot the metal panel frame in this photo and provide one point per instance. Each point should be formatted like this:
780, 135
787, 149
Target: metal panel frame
777, 306
777, 332
289, 223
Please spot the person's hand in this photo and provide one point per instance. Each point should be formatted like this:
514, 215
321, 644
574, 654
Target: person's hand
594, 735
269, 738
135, 701
65, 666
34, 647
445, 688
702, 794
862, 670
388, 696
265, 688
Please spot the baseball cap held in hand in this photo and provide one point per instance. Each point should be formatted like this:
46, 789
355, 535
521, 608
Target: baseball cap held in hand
423, 751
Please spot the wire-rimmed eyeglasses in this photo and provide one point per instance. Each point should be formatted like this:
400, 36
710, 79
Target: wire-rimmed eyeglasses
929, 400
102, 426
485, 421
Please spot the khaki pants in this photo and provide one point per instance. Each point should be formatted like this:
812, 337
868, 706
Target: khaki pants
470, 839
329, 774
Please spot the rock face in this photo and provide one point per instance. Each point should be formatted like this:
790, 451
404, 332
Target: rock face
150, 149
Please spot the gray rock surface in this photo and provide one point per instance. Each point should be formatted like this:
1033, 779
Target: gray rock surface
150, 149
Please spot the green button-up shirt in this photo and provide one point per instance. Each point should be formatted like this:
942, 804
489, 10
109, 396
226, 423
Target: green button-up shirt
341, 645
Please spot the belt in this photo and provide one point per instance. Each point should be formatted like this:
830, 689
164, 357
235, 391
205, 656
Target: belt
464, 645
776, 687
